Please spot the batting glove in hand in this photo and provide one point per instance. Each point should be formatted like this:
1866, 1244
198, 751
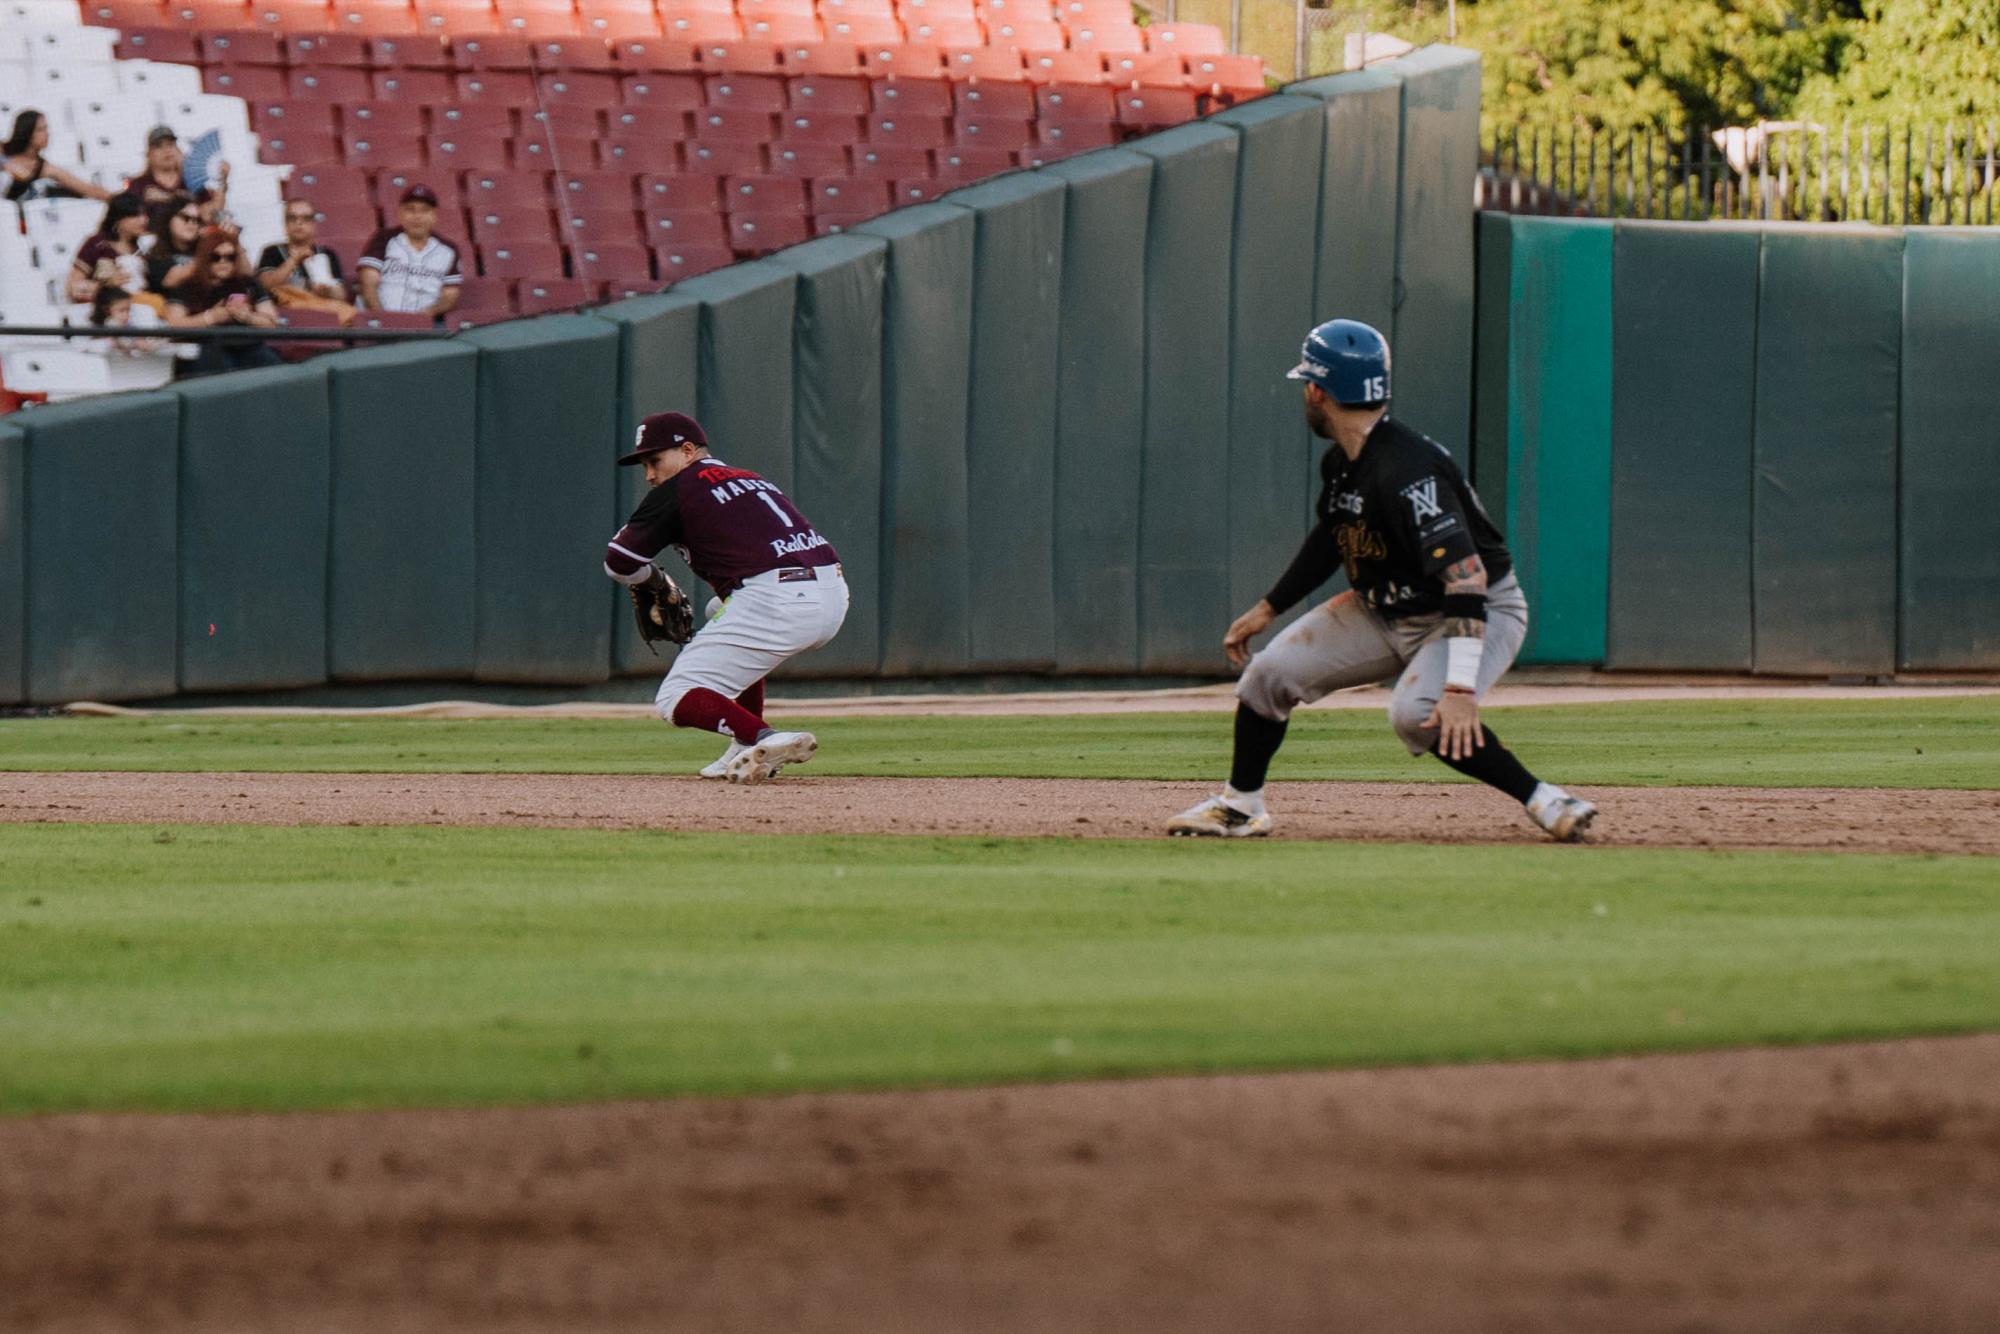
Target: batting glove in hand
661, 610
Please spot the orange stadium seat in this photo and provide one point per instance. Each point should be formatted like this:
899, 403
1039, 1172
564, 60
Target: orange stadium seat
1064, 66
808, 160
932, 11
810, 127
1003, 134
292, 18
909, 131
828, 95
836, 58
1189, 39
1152, 69
742, 57
753, 10
963, 166
1109, 39
1026, 35
214, 15
457, 18
492, 51
672, 8
702, 27
992, 97
173, 46
913, 97
745, 92
426, 86
942, 32
543, 25
327, 48
623, 23
985, 62
124, 14
829, 10
656, 55
1150, 108
1076, 101
1093, 11
246, 46
1016, 11
783, 29
1241, 74
421, 52
916, 190
907, 61
864, 30
470, 116
368, 18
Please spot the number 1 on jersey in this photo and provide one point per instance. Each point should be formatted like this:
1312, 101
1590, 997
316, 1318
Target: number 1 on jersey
776, 509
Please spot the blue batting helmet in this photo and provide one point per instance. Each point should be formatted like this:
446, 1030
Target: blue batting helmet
1349, 360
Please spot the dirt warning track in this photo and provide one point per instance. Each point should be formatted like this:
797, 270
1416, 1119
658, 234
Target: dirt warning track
1833, 819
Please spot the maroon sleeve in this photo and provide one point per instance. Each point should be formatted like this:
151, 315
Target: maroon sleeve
376, 253
653, 527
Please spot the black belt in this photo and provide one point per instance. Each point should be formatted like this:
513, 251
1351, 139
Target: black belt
793, 574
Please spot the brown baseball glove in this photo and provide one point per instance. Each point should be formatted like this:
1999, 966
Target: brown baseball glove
661, 611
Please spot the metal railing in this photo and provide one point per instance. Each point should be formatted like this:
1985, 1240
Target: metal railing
1914, 175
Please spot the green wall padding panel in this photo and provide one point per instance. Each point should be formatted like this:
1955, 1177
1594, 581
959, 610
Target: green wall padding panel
255, 484
400, 569
1100, 409
13, 564
1829, 334
1558, 513
657, 338
104, 466
1011, 429
544, 481
1491, 364
746, 365
1950, 557
1683, 403
1360, 178
837, 429
1432, 342
1273, 457
1184, 601
926, 356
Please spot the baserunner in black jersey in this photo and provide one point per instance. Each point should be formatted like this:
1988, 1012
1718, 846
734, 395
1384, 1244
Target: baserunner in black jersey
1432, 597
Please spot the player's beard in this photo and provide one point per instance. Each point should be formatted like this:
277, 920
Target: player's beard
1319, 420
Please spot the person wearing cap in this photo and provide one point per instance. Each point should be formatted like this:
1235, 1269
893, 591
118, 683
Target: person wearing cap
162, 188
409, 267
779, 582
1432, 602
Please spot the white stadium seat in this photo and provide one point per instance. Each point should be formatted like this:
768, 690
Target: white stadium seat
57, 83
149, 79
21, 15
72, 46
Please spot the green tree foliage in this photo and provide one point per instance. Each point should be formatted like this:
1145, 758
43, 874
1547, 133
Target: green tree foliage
1913, 60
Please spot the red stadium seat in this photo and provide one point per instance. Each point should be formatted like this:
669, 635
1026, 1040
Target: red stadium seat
864, 30
916, 190
1152, 69
1093, 11
371, 152
828, 95
508, 226
567, 118
762, 233
526, 259
209, 15
844, 195
944, 32
381, 118
418, 87
832, 10
457, 18
579, 89
1064, 66
1076, 136
1014, 11
384, 53
678, 262
542, 296
499, 51
678, 93
493, 189
330, 184
913, 11
1107, 38
249, 46
639, 155
1189, 39
985, 63
473, 116
723, 159
640, 25
599, 226
395, 19
322, 48
807, 128
626, 290
594, 189
990, 98
905, 61
565, 54
747, 56
344, 215
611, 260
913, 97
992, 134
752, 10
124, 15
721, 125
673, 227
890, 162
745, 92
657, 55
251, 82
498, 87
807, 161
763, 194
541, 149
836, 59
702, 28
963, 166
1149, 108
330, 83
834, 223
294, 146
782, 29
1026, 35
484, 296
913, 131
678, 193
1076, 101
173, 46
640, 123
1238, 74
477, 150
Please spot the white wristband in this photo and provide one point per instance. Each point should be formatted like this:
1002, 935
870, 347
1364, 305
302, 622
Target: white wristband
1461, 664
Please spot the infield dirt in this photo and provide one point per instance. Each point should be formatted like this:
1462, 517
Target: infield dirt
1844, 819
1852, 1187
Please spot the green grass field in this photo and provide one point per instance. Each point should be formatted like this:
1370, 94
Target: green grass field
207, 967
1944, 742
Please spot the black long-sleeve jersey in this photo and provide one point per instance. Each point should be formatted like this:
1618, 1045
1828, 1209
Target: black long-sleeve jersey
1395, 517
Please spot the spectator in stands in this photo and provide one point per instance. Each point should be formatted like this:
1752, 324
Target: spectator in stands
162, 187
170, 259
302, 272
111, 258
409, 267
32, 176
113, 308
219, 293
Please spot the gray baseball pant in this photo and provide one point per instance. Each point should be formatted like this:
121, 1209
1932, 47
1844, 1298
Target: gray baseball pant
1343, 643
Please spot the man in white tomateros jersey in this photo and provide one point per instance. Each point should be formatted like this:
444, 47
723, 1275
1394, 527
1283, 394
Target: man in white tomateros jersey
779, 580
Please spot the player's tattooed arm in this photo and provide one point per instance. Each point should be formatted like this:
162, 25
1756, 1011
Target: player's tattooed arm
1466, 576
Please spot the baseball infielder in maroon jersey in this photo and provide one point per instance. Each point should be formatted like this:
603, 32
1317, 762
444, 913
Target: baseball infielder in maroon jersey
779, 580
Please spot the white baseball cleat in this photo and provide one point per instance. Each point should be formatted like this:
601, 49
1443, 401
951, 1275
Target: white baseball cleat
761, 762
1566, 818
719, 767
1216, 818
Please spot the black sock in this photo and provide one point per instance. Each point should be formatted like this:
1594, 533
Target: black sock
1494, 765
1257, 740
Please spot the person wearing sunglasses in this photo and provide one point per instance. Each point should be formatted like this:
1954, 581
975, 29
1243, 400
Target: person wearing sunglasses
219, 294
170, 257
302, 273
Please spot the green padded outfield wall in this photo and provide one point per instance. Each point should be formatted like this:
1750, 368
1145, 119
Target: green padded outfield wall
657, 342
1829, 335
926, 359
101, 466
1360, 181
1683, 399
1011, 428
1273, 456
837, 429
745, 367
1100, 411
401, 576
1555, 505
1184, 603
13, 563
548, 413
1432, 341
1950, 465
255, 482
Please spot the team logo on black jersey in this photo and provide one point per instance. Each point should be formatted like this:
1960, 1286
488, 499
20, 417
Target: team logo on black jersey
1423, 498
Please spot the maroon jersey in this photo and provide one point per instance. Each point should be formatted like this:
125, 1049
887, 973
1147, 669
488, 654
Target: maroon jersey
727, 523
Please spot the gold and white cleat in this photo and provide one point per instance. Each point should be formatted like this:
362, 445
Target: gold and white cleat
1216, 818
761, 762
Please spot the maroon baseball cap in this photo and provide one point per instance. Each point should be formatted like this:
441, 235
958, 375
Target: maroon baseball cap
664, 430
420, 194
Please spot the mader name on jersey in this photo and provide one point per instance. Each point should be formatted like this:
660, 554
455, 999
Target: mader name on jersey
728, 523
